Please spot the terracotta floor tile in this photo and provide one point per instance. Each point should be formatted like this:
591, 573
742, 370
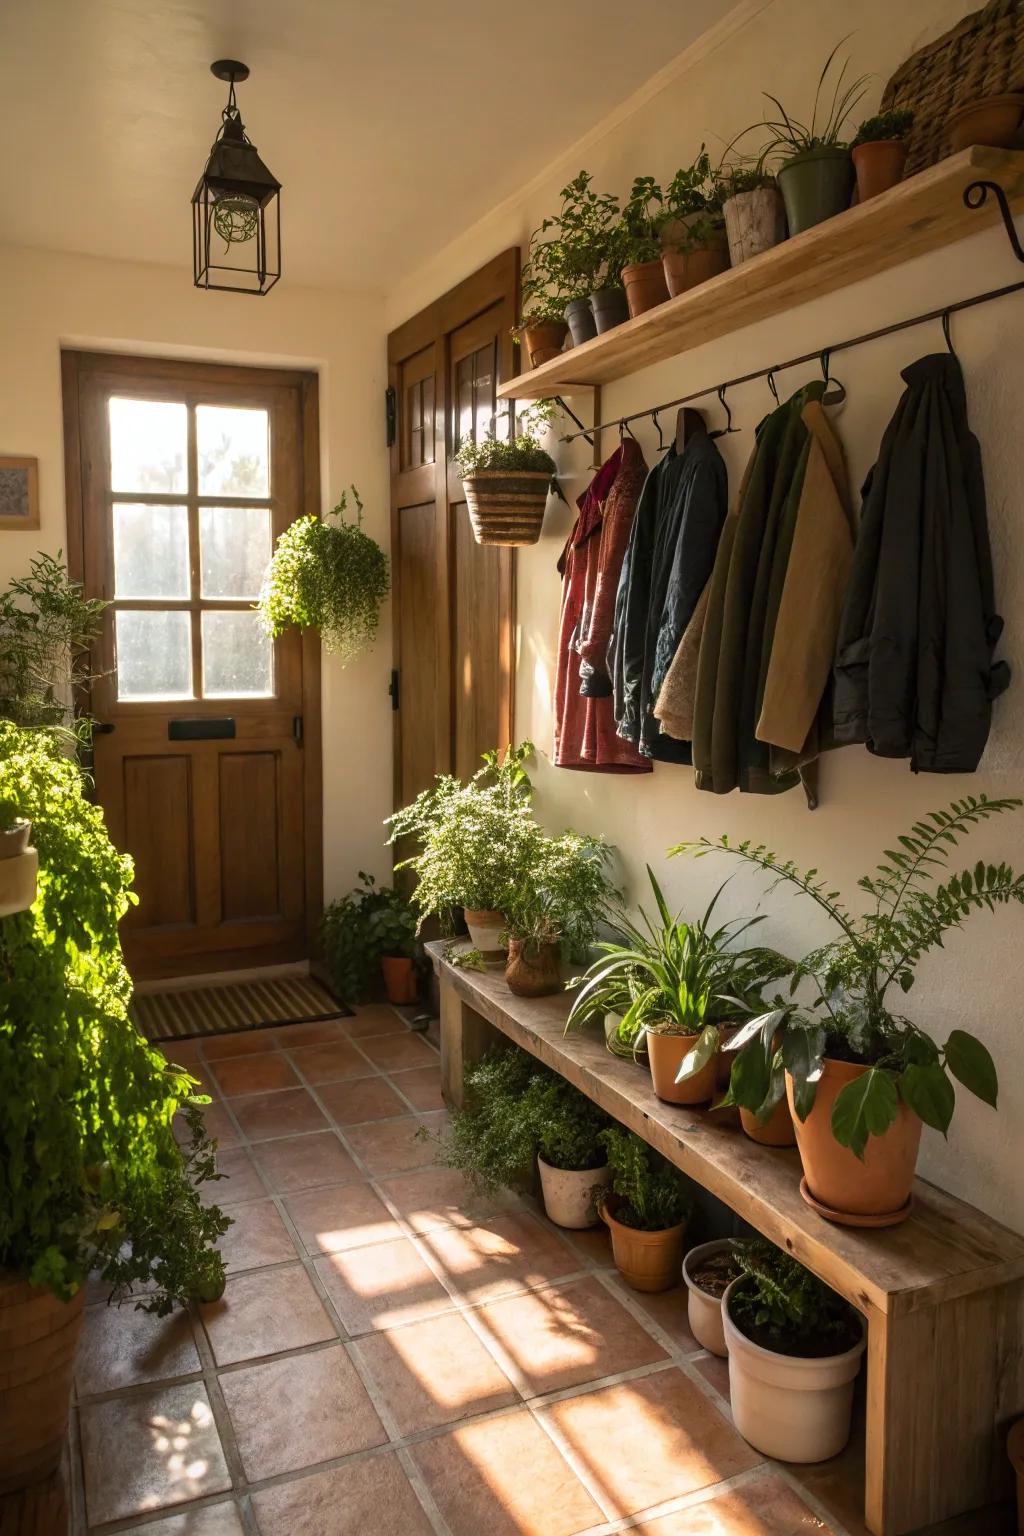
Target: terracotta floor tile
344, 1216
435, 1372
380, 1286
441, 1197
507, 1254
265, 1312
182, 1053
239, 1180
246, 1042
361, 1099
213, 1520
505, 1477
362, 1499
278, 1114
320, 1032
395, 1146
668, 1310
150, 1450
120, 1347
562, 1338
839, 1484
716, 1371
593, 1243
330, 1063
294, 1413
669, 1440
421, 1086
375, 1019
303, 1162
257, 1236
392, 1053
766, 1506
254, 1074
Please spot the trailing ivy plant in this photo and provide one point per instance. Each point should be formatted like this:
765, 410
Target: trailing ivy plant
329, 576
652, 1194
358, 929
47, 626
783, 1307
849, 1017
91, 1175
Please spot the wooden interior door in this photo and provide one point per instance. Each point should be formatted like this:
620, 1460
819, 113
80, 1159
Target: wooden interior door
206, 759
454, 601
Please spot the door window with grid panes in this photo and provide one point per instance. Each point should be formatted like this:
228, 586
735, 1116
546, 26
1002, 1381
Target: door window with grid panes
191, 513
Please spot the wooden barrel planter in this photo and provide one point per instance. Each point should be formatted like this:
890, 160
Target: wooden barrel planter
38, 1338
506, 506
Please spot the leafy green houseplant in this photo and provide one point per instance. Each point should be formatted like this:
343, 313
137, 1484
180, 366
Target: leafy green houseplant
635, 246
693, 238
359, 930
506, 485
47, 626
879, 151
545, 287
857, 1070
795, 1349
582, 234
646, 1211
329, 576
557, 906
91, 1175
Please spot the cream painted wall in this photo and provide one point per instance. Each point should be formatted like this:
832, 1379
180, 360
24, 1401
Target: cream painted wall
50, 300
978, 981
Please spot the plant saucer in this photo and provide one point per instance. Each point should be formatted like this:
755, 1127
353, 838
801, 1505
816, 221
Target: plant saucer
854, 1219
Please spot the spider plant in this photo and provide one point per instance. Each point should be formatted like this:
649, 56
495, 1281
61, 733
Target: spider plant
673, 977
796, 137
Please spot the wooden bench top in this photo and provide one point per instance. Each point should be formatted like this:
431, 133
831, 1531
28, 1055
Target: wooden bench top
944, 1249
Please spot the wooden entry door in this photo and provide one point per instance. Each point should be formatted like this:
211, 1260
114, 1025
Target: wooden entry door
454, 601
206, 758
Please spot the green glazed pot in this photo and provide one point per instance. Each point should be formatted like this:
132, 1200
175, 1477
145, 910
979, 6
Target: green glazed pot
815, 186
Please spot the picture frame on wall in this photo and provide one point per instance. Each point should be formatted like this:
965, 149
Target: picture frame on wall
19, 492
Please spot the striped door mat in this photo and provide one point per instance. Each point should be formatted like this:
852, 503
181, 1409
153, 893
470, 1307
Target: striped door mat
238, 1005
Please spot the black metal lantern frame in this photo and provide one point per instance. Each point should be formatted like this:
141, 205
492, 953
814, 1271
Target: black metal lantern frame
238, 201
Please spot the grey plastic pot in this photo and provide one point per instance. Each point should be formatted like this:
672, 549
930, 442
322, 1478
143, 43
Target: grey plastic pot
610, 308
815, 186
580, 317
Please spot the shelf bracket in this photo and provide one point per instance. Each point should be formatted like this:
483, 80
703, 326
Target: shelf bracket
559, 401
976, 196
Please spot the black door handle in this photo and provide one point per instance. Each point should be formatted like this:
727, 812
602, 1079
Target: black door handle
103, 727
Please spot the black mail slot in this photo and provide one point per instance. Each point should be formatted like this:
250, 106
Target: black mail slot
200, 729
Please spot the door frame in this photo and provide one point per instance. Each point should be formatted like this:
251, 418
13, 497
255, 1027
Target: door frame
75, 365
495, 283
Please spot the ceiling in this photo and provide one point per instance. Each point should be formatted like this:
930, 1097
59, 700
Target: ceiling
392, 124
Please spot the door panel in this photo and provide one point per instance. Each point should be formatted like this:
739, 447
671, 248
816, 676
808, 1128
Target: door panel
187, 475
453, 600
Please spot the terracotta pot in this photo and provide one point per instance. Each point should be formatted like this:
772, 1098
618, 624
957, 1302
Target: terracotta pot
485, 930
571, 1194
580, 319
776, 1131
399, 979
544, 340
879, 166
816, 185
704, 1312
665, 1054
506, 506
645, 286
647, 1261
14, 839
688, 269
533, 971
993, 120
1015, 1448
609, 308
787, 1407
755, 222
880, 1185
38, 1337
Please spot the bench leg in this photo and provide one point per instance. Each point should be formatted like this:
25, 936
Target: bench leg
465, 1037
944, 1385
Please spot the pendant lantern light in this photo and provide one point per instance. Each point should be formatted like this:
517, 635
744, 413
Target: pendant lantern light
236, 207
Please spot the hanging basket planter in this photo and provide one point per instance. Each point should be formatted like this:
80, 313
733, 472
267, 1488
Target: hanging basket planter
507, 506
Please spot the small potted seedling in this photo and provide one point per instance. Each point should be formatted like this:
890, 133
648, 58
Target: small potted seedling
880, 151
795, 1349
708, 1271
694, 243
646, 1211
636, 242
582, 227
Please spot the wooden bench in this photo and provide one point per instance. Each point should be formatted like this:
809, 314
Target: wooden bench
943, 1294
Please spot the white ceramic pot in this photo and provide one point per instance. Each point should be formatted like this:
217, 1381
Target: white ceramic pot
485, 930
792, 1409
570, 1195
703, 1311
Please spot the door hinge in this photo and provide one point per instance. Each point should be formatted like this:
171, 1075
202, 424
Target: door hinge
297, 730
391, 413
393, 688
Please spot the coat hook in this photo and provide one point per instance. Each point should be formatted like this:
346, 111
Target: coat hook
662, 445
947, 334
772, 385
839, 390
976, 196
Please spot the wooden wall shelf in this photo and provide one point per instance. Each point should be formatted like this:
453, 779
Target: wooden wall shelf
919, 215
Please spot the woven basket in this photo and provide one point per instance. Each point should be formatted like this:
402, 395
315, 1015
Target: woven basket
983, 55
507, 506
